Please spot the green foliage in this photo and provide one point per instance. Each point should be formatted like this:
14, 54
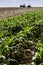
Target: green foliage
19, 34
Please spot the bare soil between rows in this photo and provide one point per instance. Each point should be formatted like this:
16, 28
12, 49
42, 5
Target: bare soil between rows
12, 11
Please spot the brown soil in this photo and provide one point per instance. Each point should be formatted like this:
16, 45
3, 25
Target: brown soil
11, 11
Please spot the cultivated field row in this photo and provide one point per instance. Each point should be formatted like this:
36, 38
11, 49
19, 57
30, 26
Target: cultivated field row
11, 11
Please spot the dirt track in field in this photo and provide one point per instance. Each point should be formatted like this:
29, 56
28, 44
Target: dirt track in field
11, 11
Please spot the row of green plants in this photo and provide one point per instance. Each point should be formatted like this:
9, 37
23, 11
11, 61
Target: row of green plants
19, 34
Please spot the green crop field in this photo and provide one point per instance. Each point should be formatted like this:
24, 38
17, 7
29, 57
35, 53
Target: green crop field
21, 39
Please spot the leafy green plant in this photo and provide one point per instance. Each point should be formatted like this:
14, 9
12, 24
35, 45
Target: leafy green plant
19, 34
